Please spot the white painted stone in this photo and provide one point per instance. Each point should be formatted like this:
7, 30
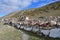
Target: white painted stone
18, 26
53, 22
27, 18
45, 32
55, 33
28, 28
22, 27
35, 29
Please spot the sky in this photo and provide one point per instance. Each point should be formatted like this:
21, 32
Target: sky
8, 6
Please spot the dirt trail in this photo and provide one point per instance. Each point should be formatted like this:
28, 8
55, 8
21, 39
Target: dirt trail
25, 36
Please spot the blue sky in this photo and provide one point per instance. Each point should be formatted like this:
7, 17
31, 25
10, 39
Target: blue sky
8, 6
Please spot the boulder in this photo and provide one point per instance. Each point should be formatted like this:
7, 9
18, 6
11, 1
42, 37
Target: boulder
45, 32
55, 33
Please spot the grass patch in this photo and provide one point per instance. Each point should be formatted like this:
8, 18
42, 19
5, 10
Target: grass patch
9, 33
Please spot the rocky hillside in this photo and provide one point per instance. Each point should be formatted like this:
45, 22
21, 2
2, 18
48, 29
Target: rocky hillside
52, 9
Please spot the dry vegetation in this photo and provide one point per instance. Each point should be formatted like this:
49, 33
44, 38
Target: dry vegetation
52, 9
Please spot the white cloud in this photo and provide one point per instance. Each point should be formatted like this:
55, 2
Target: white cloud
36, 0
22, 3
11, 5
7, 8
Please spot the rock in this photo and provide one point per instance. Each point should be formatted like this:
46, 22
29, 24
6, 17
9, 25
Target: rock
55, 33
45, 32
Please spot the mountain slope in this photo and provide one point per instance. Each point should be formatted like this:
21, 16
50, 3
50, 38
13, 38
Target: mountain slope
52, 9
